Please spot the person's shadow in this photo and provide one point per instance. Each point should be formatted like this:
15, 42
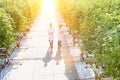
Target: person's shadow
58, 56
47, 57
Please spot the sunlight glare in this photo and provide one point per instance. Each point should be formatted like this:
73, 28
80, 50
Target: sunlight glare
49, 4
49, 9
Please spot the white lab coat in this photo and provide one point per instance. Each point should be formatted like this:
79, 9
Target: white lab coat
51, 33
60, 32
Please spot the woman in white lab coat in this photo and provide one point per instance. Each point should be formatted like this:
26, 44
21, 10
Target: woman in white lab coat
51, 35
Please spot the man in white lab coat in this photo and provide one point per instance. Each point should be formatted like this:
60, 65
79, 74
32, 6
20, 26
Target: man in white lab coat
60, 32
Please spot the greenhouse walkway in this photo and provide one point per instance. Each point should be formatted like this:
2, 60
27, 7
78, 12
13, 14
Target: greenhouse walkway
35, 60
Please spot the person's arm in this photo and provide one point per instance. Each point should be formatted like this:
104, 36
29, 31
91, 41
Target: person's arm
61, 31
48, 31
52, 31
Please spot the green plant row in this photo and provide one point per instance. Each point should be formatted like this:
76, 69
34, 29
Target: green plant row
98, 25
15, 17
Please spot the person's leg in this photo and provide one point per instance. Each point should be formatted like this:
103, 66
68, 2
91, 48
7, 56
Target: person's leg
51, 43
59, 43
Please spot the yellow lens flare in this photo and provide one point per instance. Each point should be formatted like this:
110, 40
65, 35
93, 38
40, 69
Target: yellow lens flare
49, 8
49, 4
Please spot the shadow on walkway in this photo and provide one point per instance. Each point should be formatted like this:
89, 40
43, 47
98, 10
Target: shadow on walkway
48, 57
70, 69
58, 56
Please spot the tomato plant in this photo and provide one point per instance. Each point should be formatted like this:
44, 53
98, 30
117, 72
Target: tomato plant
98, 25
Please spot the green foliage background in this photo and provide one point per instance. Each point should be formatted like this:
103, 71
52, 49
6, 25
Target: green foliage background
98, 25
15, 17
